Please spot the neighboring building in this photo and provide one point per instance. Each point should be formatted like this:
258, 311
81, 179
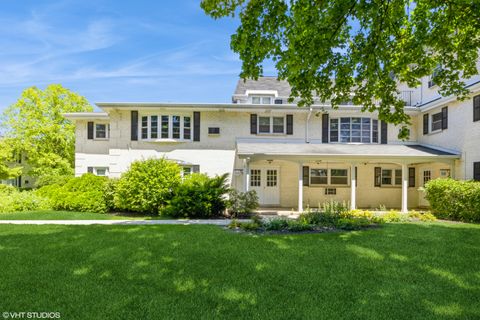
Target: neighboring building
293, 157
23, 181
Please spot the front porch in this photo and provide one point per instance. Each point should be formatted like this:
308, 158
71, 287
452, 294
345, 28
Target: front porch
293, 175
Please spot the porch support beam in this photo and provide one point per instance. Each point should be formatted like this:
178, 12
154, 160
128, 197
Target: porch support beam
404, 187
353, 187
246, 175
300, 187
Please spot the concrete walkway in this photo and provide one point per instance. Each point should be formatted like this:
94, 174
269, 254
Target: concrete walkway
218, 222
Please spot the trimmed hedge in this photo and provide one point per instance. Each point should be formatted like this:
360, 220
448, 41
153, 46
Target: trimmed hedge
454, 200
85, 193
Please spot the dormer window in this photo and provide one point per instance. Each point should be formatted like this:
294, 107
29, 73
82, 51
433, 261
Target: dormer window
261, 100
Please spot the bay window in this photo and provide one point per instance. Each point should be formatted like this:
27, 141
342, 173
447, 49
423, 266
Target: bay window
353, 129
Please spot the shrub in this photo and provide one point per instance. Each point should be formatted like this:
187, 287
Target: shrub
393, 216
147, 185
199, 196
335, 207
454, 200
298, 225
234, 224
242, 203
85, 193
6, 190
52, 179
109, 190
428, 216
276, 224
352, 223
414, 214
318, 218
16, 201
250, 226
357, 213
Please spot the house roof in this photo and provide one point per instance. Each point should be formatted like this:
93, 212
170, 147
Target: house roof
86, 115
263, 84
285, 149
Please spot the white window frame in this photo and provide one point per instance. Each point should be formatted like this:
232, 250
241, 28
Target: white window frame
445, 173
262, 99
170, 127
339, 125
329, 177
270, 126
95, 171
107, 130
186, 170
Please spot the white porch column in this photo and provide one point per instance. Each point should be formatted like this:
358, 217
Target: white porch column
404, 188
353, 187
246, 175
300, 187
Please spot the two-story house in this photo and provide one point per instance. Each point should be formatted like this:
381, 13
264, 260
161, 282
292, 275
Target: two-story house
293, 157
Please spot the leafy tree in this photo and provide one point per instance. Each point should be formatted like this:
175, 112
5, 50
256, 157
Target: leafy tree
341, 47
36, 127
8, 168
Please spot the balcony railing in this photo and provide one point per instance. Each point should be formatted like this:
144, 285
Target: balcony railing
406, 96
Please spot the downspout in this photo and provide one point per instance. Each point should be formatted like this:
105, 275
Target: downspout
307, 136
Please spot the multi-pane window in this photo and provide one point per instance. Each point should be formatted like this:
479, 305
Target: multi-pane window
186, 171
255, 177
187, 128
271, 178
154, 127
328, 176
165, 127
100, 131
318, 176
445, 173
339, 176
427, 176
437, 121
271, 125
355, 129
261, 100
398, 177
170, 127
386, 176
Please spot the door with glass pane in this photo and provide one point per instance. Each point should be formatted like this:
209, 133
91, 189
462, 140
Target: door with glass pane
266, 182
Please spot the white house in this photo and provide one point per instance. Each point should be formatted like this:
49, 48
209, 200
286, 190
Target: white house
292, 156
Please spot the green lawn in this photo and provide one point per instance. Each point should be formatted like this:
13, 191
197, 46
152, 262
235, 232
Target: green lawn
69, 215
399, 271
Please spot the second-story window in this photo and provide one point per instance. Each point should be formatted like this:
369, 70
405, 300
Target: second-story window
269, 125
437, 121
166, 127
101, 131
346, 129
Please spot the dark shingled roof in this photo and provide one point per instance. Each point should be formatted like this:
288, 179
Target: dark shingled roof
263, 83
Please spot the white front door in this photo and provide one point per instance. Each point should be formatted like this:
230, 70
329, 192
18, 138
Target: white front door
266, 182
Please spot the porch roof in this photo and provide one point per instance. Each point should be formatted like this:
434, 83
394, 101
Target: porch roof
266, 149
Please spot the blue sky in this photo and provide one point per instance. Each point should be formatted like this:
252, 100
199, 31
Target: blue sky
111, 50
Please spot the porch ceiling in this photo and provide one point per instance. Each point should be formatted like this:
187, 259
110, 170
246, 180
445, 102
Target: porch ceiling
300, 150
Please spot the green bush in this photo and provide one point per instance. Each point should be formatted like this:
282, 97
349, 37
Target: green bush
393, 216
319, 218
198, 196
17, 201
353, 223
333, 207
147, 185
250, 226
110, 188
276, 224
52, 179
454, 200
6, 190
85, 193
242, 203
298, 225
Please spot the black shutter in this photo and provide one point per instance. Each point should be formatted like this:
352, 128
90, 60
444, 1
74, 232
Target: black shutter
356, 176
196, 126
90, 130
90, 169
134, 125
476, 108
425, 123
378, 177
411, 177
476, 171
444, 118
289, 123
253, 124
195, 168
306, 176
325, 128
384, 128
